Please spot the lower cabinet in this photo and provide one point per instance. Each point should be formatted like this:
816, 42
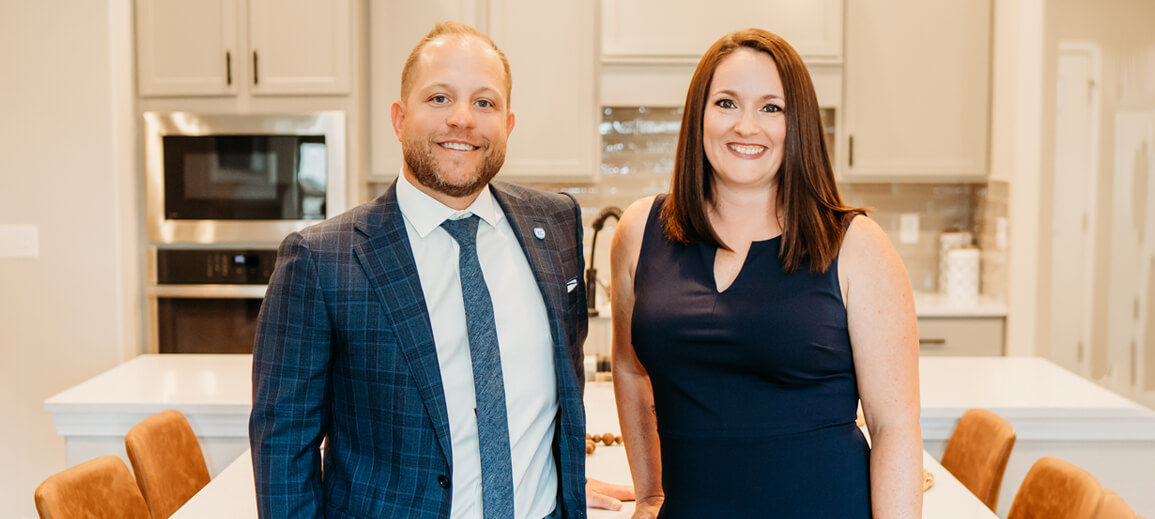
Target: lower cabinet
960, 336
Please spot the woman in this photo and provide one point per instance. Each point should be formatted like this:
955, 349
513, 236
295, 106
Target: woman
752, 310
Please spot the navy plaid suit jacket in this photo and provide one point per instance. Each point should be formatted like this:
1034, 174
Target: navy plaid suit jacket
344, 352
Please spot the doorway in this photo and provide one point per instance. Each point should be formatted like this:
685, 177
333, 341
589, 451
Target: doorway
1073, 215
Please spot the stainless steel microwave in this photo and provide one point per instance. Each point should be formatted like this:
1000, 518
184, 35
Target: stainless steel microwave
241, 178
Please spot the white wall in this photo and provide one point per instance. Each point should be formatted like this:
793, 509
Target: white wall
1015, 133
1120, 30
64, 167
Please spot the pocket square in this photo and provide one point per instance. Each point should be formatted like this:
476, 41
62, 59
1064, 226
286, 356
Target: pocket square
571, 284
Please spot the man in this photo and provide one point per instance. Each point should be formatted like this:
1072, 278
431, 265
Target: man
432, 338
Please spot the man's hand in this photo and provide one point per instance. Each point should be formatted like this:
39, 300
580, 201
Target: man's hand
607, 496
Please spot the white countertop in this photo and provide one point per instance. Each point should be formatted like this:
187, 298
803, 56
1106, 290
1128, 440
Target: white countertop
933, 304
184, 379
231, 495
1042, 400
947, 498
215, 389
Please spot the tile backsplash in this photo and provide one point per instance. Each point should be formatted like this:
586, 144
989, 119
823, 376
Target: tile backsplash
638, 146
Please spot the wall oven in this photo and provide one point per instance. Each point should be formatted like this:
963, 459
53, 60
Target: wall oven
240, 178
206, 300
221, 192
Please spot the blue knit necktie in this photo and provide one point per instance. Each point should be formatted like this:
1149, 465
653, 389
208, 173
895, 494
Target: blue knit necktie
492, 424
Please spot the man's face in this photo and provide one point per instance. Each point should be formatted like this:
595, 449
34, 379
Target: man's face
454, 123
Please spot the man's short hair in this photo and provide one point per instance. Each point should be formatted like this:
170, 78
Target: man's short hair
460, 30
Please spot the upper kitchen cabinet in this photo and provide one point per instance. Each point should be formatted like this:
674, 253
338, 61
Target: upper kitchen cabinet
917, 86
394, 29
553, 67
682, 30
554, 72
226, 47
186, 47
649, 48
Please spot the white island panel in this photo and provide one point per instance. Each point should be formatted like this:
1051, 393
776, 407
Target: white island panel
213, 391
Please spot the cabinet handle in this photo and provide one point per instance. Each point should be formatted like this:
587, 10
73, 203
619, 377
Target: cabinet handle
850, 152
228, 68
255, 76
931, 343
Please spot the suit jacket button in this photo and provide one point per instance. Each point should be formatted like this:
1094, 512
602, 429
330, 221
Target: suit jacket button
443, 480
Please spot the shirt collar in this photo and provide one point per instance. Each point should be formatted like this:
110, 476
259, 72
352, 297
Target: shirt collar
425, 213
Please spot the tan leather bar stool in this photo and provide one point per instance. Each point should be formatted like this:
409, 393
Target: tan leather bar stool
1113, 506
101, 488
977, 453
167, 459
1055, 489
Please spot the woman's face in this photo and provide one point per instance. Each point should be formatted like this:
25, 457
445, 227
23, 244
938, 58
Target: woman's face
744, 124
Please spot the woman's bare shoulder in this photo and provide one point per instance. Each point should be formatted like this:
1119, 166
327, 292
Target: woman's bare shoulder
633, 222
627, 241
865, 243
873, 272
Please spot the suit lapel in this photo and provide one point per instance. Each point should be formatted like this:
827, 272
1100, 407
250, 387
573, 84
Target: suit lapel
542, 239
528, 220
387, 259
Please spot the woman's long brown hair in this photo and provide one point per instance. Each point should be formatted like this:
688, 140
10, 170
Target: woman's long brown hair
814, 216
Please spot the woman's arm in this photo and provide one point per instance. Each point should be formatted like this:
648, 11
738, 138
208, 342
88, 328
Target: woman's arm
632, 390
884, 337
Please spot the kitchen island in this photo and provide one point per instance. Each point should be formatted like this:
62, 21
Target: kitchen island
213, 391
1054, 412
231, 494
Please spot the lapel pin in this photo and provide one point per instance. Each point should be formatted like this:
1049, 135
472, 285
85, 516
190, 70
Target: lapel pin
539, 233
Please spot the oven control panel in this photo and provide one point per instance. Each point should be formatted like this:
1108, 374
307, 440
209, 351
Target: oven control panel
215, 266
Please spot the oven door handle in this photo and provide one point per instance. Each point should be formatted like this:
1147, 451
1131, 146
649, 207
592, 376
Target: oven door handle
209, 291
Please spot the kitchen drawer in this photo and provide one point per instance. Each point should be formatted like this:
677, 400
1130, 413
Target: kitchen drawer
967, 337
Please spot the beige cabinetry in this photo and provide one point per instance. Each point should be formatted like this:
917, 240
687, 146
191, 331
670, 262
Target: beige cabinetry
554, 72
917, 87
650, 48
394, 29
186, 47
646, 30
960, 336
229, 47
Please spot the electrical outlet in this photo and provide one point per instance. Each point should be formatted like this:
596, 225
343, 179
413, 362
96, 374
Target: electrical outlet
1001, 232
908, 228
19, 241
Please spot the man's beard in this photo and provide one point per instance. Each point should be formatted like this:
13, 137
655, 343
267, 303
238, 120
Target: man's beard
419, 158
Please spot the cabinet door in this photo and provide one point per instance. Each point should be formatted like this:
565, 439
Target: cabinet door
917, 89
186, 47
300, 46
960, 337
395, 27
553, 66
684, 29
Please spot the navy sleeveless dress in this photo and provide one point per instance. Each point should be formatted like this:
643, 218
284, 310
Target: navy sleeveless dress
754, 387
